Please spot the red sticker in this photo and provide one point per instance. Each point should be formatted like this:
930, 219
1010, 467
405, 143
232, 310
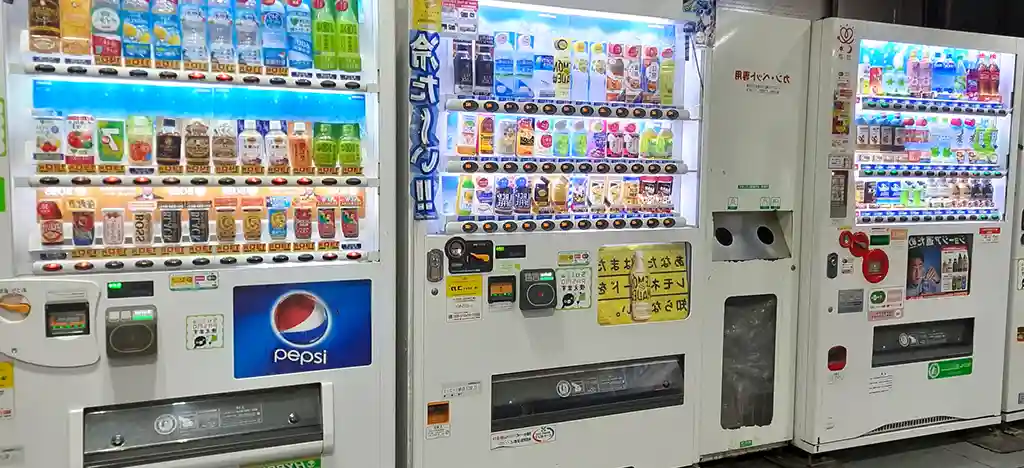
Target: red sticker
845, 239
860, 244
875, 266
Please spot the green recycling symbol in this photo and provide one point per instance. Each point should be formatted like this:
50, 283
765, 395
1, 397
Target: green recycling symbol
878, 297
933, 370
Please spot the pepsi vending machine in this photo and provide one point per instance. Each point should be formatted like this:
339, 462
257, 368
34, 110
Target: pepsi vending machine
195, 201
556, 189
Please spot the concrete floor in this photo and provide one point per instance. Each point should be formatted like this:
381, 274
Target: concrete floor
943, 451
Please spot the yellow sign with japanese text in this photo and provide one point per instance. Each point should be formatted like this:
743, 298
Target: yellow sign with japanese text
643, 283
426, 15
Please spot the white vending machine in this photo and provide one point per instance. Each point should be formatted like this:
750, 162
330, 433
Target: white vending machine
1013, 377
553, 283
754, 142
196, 197
912, 144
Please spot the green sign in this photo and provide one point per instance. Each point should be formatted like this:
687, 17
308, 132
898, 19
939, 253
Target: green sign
752, 187
3, 195
747, 443
950, 368
302, 463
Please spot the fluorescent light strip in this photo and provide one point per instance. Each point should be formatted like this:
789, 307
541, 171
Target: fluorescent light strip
568, 11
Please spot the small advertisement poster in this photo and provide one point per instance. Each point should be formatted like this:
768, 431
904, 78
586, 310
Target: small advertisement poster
643, 283
939, 265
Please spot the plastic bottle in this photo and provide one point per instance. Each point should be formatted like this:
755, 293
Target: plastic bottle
524, 58
504, 64
465, 196
984, 78
562, 80
899, 140
274, 36
250, 145
325, 147
350, 152
616, 140
346, 46
578, 139
993, 86
863, 134
543, 81
75, 27
44, 26
166, 34
596, 90
300, 145
597, 139
299, 26
949, 66
665, 143
222, 36
247, 35
960, 78
874, 133
631, 133
276, 144
925, 78
887, 133
194, 49
639, 289
324, 31
649, 140
580, 71
560, 137
889, 80
938, 74
483, 66
914, 74
544, 141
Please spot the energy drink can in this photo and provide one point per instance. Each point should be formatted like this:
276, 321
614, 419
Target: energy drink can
350, 222
278, 223
303, 223
51, 222
83, 227
170, 224
199, 224
277, 217
326, 219
113, 226
142, 221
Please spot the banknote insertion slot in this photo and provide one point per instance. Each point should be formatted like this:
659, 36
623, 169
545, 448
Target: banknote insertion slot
526, 399
208, 426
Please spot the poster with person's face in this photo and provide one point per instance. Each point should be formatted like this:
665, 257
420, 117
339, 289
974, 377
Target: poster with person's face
939, 265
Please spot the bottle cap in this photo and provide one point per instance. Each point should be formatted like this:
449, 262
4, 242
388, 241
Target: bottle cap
299, 126
275, 125
249, 125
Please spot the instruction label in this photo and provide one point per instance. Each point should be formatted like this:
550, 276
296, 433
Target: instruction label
885, 304
574, 285
204, 332
6, 389
522, 437
465, 300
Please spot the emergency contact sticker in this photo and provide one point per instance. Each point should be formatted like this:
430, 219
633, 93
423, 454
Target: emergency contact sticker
885, 304
989, 235
439, 419
574, 286
193, 282
465, 300
460, 389
522, 437
6, 390
204, 332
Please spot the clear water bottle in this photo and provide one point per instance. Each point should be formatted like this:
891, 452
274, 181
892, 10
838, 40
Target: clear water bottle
222, 42
193, 31
247, 33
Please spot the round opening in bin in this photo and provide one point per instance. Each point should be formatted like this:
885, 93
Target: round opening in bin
765, 235
723, 236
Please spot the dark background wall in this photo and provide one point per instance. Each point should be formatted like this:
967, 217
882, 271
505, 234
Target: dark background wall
1002, 17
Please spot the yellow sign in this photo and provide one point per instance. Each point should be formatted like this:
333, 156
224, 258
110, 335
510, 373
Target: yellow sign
182, 282
643, 283
426, 15
6, 375
460, 286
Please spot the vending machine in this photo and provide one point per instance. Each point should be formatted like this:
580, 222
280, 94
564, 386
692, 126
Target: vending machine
196, 200
554, 268
758, 82
1013, 377
912, 135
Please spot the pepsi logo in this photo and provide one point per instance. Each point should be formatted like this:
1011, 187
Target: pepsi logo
301, 319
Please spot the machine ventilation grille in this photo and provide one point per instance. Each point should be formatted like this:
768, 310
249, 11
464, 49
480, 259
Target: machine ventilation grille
911, 423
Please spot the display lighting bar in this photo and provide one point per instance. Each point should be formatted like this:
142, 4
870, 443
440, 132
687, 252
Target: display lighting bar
553, 10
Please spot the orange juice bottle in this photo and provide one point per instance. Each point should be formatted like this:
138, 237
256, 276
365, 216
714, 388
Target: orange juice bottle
75, 26
300, 145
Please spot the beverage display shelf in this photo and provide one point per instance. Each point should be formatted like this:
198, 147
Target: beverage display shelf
554, 107
903, 159
562, 222
166, 180
987, 171
936, 106
187, 262
926, 215
563, 165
